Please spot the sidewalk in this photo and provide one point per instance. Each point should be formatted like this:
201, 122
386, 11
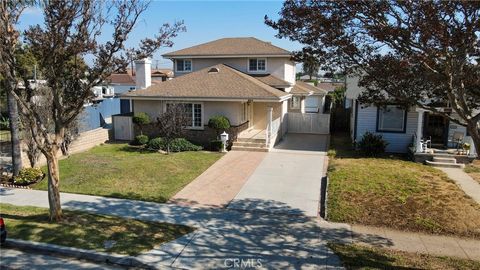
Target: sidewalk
222, 235
280, 241
464, 181
416, 242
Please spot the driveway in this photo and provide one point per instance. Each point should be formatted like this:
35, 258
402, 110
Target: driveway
288, 180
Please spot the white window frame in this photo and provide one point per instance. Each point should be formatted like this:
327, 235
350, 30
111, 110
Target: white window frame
299, 105
257, 70
380, 118
202, 108
176, 65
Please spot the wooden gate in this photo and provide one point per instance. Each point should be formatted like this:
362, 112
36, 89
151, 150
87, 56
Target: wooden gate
314, 123
122, 127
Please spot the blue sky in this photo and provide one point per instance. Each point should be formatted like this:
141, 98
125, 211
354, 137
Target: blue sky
205, 21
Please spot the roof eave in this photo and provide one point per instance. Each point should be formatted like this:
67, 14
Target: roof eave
193, 98
223, 56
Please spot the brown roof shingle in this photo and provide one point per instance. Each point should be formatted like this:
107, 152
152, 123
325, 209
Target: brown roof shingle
227, 83
303, 88
121, 78
231, 47
271, 80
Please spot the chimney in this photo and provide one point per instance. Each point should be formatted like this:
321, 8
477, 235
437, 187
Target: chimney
143, 73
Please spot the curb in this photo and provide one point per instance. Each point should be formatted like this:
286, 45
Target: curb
78, 253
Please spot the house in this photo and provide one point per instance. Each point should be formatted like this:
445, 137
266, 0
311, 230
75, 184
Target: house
422, 133
249, 81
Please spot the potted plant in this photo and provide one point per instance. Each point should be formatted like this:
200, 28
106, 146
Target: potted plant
466, 147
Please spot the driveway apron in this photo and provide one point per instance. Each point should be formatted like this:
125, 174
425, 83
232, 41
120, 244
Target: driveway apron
288, 180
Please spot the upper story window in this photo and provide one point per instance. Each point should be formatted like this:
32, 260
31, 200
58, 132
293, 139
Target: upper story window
257, 64
183, 65
391, 119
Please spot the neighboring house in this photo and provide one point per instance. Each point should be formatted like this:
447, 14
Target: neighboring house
249, 81
414, 130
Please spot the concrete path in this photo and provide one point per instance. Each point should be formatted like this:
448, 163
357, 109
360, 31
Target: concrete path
223, 237
16, 259
288, 180
220, 183
465, 181
416, 242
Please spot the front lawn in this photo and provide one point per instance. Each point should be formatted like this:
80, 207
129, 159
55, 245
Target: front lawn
361, 257
474, 170
393, 192
116, 170
88, 231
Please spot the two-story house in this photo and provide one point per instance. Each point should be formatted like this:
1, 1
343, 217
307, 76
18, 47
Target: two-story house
249, 81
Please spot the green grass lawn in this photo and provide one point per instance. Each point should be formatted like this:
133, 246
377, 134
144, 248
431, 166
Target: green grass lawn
360, 257
116, 170
392, 192
88, 231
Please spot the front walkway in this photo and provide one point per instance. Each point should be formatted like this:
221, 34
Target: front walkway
288, 180
464, 181
219, 184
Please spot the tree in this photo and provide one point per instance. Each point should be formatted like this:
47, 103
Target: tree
417, 53
311, 65
172, 123
70, 31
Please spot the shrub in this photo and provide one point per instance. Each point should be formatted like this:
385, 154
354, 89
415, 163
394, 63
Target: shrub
156, 143
181, 144
216, 145
28, 175
372, 144
140, 140
219, 123
4, 123
141, 118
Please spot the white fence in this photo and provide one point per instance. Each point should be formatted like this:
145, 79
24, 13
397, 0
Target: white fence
316, 123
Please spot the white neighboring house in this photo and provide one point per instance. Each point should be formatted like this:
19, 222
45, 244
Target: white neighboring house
414, 130
249, 81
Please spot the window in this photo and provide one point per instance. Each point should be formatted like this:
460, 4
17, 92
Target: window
295, 103
193, 114
391, 119
184, 65
257, 64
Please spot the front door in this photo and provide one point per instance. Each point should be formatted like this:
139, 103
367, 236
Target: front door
436, 129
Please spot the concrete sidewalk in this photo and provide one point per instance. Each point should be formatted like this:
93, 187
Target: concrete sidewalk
416, 242
464, 181
221, 237
278, 241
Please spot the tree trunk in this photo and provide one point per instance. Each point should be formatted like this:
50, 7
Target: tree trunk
53, 185
475, 134
15, 133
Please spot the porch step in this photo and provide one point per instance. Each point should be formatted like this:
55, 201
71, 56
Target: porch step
444, 164
445, 159
249, 144
250, 140
247, 148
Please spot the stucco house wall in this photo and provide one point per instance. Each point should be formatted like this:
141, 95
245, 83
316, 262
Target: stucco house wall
280, 67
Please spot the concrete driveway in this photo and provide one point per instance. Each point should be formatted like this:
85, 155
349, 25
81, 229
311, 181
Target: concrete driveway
288, 180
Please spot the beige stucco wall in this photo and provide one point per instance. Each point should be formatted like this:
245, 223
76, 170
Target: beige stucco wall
231, 110
280, 67
260, 113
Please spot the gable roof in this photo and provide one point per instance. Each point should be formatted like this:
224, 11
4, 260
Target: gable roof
228, 47
216, 82
121, 78
303, 88
271, 80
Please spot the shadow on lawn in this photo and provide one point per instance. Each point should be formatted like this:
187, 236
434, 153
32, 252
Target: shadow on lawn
285, 238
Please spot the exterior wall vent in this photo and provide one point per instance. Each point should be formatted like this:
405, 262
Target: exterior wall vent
214, 70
